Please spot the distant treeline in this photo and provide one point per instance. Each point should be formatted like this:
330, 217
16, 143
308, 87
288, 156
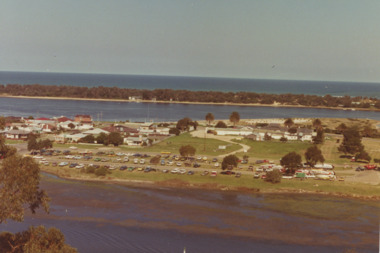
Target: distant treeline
188, 96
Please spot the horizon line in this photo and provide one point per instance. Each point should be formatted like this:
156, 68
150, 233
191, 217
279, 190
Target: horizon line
189, 76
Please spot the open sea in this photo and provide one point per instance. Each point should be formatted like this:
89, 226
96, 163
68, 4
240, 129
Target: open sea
154, 112
194, 83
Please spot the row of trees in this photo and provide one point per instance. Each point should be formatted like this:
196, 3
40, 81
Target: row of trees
187, 96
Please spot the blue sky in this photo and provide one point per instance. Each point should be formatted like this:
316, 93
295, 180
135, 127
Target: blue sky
335, 40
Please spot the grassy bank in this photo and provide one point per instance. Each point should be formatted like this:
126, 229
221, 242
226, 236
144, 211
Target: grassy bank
224, 182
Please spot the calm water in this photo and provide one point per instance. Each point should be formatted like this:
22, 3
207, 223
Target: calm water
194, 83
97, 217
141, 112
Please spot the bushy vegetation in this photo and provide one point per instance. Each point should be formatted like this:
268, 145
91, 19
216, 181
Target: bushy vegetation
187, 96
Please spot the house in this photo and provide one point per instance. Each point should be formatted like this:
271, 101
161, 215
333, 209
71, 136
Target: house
17, 135
136, 141
230, 131
84, 119
121, 129
95, 131
63, 138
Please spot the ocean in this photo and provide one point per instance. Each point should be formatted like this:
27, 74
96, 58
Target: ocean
194, 83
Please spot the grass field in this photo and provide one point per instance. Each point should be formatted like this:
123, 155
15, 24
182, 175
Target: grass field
203, 146
272, 150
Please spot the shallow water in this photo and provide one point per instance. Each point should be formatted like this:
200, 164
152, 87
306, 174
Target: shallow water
98, 217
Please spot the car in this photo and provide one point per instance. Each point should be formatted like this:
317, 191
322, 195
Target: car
244, 162
213, 173
165, 171
170, 162
130, 169
216, 164
79, 166
62, 164
179, 164
250, 168
238, 175
214, 160
73, 165
135, 161
123, 167
256, 175
182, 171
360, 168
204, 173
227, 172
142, 161
174, 171
196, 165
162, 162
190, 172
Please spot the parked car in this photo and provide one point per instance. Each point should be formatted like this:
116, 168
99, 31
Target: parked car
238, 174
174, 171
204, 173
213, 173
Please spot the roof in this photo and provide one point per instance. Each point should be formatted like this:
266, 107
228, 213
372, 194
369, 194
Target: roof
43, 119
18, 132
63, 119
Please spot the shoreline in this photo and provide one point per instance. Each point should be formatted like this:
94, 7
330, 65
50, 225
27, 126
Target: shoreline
184, 102
211, 186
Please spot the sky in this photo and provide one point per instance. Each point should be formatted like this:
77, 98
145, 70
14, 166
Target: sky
331, 40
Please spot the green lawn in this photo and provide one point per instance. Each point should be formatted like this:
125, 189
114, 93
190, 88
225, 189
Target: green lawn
272, 149
203, 146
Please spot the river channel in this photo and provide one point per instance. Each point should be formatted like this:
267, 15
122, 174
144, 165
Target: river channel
101, 217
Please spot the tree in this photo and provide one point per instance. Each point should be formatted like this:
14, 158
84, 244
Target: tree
267, 137
273, 176
183, 124
235, 117
221, 124
5, 150
313, 155
2, 123
341, 128
229, 161
87, 139
71, 125
318, 139
174, 131
351, 143
288, 123
291, 161
19, 180
363, 156
35, 239
209, 117
187, 150
115, 138
32, 142
317, 123
101, 138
